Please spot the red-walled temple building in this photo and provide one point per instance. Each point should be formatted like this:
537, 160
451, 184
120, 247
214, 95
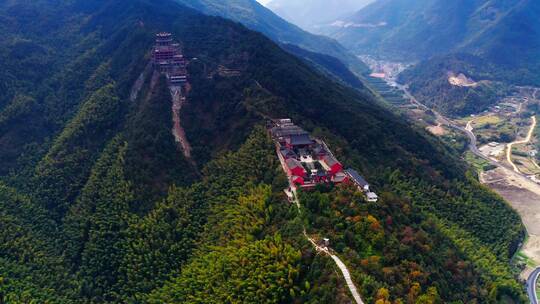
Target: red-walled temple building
168, 59
308, 161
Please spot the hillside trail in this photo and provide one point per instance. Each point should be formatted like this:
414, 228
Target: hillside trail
536, 164
339, 263
178, 131
341, 266
177, 103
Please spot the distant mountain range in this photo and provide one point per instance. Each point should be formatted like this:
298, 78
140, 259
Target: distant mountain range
310, 15
259, 18
504, 35
497, 29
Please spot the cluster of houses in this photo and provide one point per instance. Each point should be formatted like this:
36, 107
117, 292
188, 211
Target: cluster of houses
309, 162
168, 59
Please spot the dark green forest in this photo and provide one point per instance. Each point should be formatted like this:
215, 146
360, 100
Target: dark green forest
99, 205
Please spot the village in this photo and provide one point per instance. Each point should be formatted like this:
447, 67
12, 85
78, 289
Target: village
309, 162
497, 130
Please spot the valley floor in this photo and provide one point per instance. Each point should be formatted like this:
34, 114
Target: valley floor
524, 196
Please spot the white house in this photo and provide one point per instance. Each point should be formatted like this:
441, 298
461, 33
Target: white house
372, 197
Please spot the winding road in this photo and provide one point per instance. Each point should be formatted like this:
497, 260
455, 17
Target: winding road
468, 130
533, 278
473, 142
531, 286
532, 281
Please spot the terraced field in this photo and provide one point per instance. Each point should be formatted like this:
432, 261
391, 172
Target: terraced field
390, 94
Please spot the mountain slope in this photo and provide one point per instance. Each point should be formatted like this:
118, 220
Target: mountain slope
328, 65
486, 40
259, 18
429, 82
421, 29
139, 224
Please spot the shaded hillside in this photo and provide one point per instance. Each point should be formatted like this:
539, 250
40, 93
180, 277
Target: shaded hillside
405, 29
326, 64
102, 206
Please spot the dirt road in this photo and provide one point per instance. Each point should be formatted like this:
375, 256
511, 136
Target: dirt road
536, 164
516, 188
520, 142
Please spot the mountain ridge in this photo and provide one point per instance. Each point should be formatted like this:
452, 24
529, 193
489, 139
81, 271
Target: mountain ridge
486, 40
257, 17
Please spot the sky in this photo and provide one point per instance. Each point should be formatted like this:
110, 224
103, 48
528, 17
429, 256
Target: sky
264, 1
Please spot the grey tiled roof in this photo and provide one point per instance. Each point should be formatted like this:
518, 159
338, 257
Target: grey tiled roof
357, 178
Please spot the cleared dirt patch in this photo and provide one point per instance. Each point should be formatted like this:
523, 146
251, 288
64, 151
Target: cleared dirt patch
378, 75
437, 130
524, 196
461, 80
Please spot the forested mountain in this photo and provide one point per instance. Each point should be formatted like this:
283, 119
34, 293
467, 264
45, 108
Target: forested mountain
493, 29
98, 204
312, 14
257, 17
494, 40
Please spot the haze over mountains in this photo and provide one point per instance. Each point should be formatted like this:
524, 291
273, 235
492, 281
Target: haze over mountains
486, 40
313, 14
506, 33
425, 28
257, 17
